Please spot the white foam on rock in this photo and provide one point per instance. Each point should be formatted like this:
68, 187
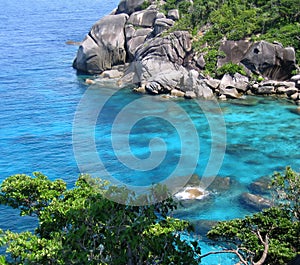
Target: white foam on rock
192, 193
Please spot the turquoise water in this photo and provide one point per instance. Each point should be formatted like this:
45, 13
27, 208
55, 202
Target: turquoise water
41, 96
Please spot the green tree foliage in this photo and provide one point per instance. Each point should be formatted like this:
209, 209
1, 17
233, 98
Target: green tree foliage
32, 197
82, 226
275, 20
211, 57
287, 191
270, 236
230, 68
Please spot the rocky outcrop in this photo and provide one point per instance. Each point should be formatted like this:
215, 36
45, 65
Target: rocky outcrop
162, 24
296, 80
192, 190
157, 62
143, 18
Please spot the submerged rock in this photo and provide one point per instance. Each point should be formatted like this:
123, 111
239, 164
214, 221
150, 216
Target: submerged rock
255, 202
295, 110
194, 181
89, 81
213, 184
218, 184
261, 185
203, 226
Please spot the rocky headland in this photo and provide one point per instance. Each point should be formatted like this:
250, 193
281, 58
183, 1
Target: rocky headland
134, 44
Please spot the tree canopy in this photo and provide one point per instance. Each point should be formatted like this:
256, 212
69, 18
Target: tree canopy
213, 20
82, 226
270, 236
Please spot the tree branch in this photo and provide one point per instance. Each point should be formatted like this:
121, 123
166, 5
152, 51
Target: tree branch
236, 252
266, 249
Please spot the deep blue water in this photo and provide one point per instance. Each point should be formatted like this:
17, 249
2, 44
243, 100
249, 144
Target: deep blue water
44, 103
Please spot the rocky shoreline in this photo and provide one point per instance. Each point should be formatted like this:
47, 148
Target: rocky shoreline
133, 46
256, 197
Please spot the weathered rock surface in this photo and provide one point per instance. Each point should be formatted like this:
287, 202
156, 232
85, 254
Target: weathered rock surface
270, 60
234, 51
112, 74
173, 14
231, 85
162, 24
296, 80
101, 49
159, 62
190, 95
135, 38
143, 18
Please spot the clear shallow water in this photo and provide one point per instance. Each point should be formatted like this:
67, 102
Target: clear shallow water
40, 93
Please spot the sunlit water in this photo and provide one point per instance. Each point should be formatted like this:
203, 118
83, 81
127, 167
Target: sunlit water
40, 94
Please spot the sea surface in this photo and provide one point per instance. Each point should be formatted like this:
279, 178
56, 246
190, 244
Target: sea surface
51, 121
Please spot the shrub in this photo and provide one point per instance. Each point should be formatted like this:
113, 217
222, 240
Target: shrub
230, 68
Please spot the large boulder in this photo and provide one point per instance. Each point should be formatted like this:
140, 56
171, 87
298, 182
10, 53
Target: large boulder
270, 60
234, 51
167, 79
143, 18
104, 46
161, 66
173, 14
228, 87
162, 24
129, 6
192, 81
